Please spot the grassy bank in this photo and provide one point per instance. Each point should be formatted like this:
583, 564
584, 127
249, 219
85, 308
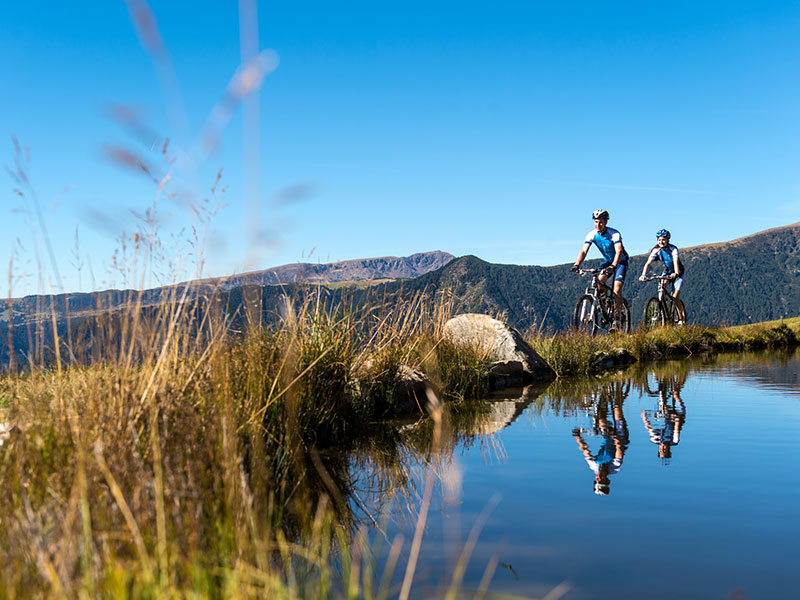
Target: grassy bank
575, 354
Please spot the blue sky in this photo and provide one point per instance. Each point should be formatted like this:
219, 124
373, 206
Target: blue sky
388, 129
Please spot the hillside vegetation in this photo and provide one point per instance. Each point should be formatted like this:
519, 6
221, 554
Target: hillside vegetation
749, 280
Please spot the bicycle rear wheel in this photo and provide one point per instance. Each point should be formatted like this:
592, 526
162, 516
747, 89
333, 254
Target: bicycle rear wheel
587, 314
617, 323
653, 314
625, 318
675, 315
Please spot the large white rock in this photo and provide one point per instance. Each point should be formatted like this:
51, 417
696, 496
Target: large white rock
514, 361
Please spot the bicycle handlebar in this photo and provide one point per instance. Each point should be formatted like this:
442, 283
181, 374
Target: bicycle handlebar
654, 277
588, 271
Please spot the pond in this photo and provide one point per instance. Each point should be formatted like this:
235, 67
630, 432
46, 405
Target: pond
671, 480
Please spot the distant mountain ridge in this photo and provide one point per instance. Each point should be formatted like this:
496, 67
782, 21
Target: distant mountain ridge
384, 267
379, 269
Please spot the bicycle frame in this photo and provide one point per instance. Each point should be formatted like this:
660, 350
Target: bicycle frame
664, 295
599, 290
666, 301
602, 304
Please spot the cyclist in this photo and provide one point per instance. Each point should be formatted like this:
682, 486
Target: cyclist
609, 242
615, 438
673, 267
664, 425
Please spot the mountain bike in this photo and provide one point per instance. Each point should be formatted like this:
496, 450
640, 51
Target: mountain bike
662, 309
594, 312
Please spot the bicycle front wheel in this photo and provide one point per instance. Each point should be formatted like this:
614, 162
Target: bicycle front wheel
587, 314
653, 314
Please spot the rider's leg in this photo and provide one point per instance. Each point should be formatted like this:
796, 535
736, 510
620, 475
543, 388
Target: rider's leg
676, 292
619, 280
618, 297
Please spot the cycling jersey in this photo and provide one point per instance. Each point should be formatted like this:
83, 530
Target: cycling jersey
605, 456
605, 242
669, 256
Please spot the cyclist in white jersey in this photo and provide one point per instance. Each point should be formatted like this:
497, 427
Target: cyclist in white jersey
668, 254
609, 242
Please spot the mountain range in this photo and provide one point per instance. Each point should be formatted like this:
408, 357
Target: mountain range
750, 279
376, 269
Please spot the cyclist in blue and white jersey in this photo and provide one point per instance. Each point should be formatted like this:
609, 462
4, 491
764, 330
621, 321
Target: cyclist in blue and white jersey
609, 242
668, 254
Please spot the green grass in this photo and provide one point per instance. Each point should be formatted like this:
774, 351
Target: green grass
571, 353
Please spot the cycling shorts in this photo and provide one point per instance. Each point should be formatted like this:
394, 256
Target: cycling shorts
622, 270
677, 283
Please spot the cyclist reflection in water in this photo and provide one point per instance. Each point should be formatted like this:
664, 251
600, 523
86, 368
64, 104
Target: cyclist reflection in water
664, 424
614, 432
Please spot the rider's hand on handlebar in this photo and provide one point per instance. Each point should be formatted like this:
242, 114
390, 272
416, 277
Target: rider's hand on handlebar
575, 268
642, 278
609, 271
673, 276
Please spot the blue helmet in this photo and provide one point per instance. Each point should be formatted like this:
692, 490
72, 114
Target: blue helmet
663, 233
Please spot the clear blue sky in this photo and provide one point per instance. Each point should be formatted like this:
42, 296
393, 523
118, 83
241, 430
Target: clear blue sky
479, 128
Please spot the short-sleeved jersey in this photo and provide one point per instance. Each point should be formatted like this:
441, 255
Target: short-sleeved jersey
669, 256
605, 242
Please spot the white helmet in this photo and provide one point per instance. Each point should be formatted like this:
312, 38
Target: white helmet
600, 213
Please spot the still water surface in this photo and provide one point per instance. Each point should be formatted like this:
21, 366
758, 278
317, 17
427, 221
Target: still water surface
674, 480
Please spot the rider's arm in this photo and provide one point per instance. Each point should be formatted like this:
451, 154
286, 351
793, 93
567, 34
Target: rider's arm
646, 266
583, 446
646, 422
649, 262
617, 254
582, 255
587, 243
674, 274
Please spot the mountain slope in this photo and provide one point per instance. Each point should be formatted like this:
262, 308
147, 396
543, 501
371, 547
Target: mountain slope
747, 280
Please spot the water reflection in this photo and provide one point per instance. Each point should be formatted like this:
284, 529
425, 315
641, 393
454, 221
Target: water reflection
777, 370
664, 423
389, 459
530, 446
610, 426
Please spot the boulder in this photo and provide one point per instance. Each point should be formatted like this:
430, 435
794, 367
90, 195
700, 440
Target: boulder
514, 361
618, 357
410, 391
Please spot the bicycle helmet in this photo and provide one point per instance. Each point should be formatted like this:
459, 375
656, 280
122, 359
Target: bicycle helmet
600, 213
663, 233
601, 489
